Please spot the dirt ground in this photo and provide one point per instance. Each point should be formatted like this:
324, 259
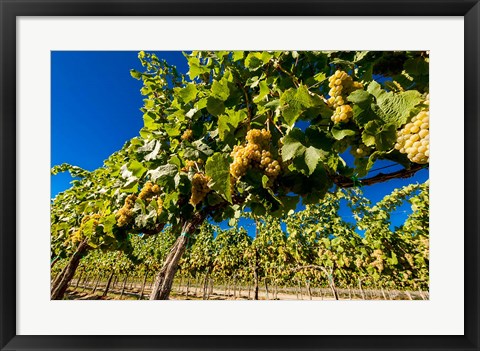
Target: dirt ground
132, 292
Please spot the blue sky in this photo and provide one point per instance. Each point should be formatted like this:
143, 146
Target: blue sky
96, 108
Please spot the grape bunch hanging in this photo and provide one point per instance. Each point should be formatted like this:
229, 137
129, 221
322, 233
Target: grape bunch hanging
341, 85
200, 188
255, 153
149, 192
414, 138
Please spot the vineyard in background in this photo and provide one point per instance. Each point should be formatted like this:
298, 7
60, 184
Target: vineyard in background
321, 257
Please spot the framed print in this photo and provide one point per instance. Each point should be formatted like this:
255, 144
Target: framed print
261, 170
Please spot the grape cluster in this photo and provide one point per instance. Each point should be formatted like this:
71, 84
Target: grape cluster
255, 153
148, 191
269, 165
125, 214
199, 188
160, 205
187, 134
378, 263
147, 194
359, 262
341, 85
78, 236
342, 114
414, 138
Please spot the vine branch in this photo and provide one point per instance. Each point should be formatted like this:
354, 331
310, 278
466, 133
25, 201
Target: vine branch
346, 182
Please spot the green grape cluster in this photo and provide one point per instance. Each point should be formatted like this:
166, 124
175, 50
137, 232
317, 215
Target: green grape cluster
255, 153
159, 205
378, 263
414, 138
78, 236
148, 191
359, 262
125, 214
199, 188
269, 165
360, 150
187, 134
341, 85
342, 114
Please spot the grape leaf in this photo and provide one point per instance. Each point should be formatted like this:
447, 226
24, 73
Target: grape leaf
294, 102
187, 94
218, 168
340, 133
215, 106
264, 90
220, 89
293, 144
229, 122
162, 172
312, 157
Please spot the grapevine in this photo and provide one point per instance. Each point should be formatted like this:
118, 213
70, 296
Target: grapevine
414, 138
251, 132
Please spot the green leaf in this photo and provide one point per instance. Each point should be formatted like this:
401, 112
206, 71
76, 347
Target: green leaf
294, 102
229, 122
195, 67
108, 223
215, 106
386, 138
393, 107
202, 147
272, 105
149, 121
257, 209
137, 169
293, 144
375, 89
238, 55
264, 181
255, 60
340, 133
135, 74
396, 108
187, 94
163, 172
153, 155
312, 157
416, 66
359, 55
359, 97
264, 90
218, 168
368, 139
320, 77
363, 115
220, 89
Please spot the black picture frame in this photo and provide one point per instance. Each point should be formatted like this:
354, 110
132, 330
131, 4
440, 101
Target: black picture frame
10, 10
